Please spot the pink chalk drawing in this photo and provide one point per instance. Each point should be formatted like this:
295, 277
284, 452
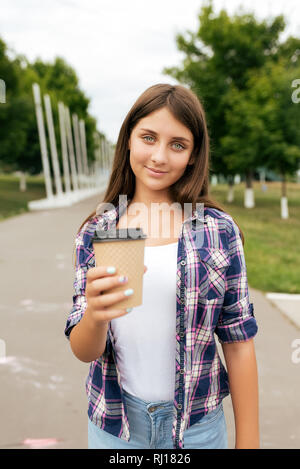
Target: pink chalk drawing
35, 443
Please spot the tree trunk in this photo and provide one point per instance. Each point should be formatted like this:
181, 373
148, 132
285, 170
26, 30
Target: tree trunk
214, 180
249, 177
249, 194
237, 179
262, 176
230, 195
284, 199
283, 185
22, 181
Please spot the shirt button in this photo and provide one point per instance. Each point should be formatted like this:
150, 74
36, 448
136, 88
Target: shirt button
179, 406
182, 262
181, 334
181, 371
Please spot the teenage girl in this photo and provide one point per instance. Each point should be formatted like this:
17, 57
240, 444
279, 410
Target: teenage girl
156, 379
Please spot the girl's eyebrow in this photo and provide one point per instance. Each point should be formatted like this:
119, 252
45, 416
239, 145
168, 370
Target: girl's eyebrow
174, 138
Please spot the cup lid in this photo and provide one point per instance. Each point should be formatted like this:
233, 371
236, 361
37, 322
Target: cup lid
119, 234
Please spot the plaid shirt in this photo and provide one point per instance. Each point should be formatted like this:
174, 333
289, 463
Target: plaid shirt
212, 298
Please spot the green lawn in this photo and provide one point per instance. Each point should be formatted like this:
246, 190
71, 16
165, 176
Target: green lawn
14, 202
272, 245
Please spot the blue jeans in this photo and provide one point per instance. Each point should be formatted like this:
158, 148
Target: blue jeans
150, 426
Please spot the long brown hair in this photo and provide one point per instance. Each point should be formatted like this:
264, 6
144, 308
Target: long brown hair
193, 186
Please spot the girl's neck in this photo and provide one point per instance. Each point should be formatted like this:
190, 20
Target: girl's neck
161, 228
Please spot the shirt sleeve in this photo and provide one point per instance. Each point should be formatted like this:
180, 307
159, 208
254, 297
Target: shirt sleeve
83, 255
236, 322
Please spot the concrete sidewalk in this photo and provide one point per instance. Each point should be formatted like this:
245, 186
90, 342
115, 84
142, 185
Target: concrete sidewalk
43, 384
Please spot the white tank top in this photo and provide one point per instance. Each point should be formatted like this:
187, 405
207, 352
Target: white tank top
145, 339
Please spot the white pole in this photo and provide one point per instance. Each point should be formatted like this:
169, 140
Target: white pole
77, 148
83, 146
64, 149
71, 150
94, 174
2, 92
102, 154
42, 138
95, 144
106, 154
53, 149
98, 151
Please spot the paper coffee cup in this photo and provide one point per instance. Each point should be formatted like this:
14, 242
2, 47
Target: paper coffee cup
124, 249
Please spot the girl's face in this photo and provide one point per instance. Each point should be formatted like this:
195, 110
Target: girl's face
161, 142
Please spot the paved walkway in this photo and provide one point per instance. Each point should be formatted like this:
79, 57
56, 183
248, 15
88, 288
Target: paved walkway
43, 384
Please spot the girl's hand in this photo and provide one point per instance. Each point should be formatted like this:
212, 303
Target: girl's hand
97, 282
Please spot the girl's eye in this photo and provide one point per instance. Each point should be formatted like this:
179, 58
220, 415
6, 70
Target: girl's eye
148, 136
181, 147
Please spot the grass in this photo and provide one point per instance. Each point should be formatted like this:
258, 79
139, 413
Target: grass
12, 200
272, 245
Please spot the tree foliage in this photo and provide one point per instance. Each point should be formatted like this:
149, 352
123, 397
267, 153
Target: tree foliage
242, 73
19, 141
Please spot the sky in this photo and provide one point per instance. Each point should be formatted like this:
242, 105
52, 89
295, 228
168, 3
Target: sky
118, 48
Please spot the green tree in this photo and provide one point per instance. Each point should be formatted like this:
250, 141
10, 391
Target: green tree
15, 115
20, 148
219, 59
271, 93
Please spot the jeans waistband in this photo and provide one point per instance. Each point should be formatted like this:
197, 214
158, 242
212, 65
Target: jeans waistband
141, 403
